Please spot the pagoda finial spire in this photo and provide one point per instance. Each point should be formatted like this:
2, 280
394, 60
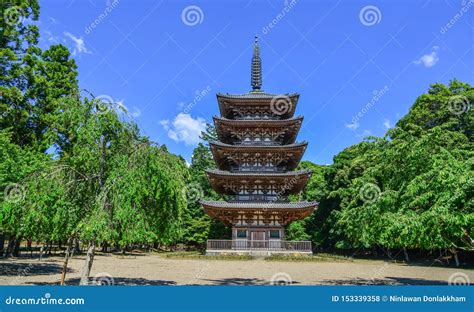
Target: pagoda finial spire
256, 74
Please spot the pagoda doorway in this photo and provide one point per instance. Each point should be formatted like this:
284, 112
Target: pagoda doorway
257, 239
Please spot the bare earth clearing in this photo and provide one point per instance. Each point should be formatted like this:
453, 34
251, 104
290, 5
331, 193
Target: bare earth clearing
152, 269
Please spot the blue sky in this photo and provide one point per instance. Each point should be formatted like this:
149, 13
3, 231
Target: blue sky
358, 65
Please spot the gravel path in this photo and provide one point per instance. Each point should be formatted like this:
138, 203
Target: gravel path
157, 270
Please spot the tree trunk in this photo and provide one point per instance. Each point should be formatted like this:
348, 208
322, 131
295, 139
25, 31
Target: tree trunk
77, 246
16, 248
86, 270
2, 244
10, 246
407, 259
456, 259
66, 259
43, 247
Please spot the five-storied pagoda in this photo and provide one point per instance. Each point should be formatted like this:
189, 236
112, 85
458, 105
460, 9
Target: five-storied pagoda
256, 154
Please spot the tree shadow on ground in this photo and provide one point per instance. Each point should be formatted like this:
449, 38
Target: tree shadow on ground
116, 281
30, 268
246, 282
386, 281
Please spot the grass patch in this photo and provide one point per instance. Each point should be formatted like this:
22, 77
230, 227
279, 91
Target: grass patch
198, 255
309, 258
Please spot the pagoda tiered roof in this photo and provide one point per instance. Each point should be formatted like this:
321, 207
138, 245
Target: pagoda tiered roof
285, 212
283, 131
236, 105
285, 183
227, 156
255, 153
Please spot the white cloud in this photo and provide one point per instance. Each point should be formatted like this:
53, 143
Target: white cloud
79, 44
353, 126
429, 60
184, 128
386, 123
165, 123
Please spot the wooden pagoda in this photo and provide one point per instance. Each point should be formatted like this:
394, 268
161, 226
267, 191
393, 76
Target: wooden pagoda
256, 155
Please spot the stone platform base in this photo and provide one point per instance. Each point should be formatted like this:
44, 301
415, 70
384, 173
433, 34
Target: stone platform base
256, 252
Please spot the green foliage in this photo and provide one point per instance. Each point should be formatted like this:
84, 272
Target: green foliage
198, 226
412, 188
72, 167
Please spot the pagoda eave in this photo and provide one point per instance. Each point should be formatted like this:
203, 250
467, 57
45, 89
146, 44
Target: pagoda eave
226, 155
231, 183
285, 211
260, 101
286, 130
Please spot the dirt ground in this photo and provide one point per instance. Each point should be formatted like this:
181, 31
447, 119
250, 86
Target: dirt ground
152, 269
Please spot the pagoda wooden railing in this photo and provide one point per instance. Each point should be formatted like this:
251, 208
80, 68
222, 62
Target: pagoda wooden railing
240, 117
270, 245
258, 169
258, 143
258, 198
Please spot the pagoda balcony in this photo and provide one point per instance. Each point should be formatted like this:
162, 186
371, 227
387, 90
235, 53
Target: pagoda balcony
258, 143
239, 117
258, 245
258, 169
259, 198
